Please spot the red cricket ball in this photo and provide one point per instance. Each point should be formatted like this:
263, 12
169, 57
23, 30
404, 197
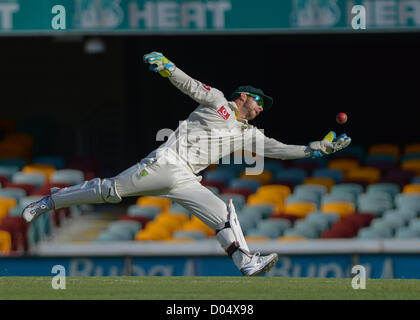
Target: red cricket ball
341, 118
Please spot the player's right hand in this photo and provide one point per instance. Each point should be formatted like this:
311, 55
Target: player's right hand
330, 144
159, 63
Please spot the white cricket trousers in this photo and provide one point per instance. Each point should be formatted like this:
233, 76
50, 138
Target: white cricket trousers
176, 182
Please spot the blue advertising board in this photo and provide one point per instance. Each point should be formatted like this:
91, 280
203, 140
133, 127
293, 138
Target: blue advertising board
324, 266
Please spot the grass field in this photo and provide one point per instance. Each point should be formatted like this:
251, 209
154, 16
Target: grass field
205, 288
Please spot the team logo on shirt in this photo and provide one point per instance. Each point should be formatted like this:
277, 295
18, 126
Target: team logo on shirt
206, 87
223, 112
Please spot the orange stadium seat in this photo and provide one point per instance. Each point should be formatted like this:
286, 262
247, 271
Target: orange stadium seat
299, 209
257, 239
291, 238
45, 169
196, 224
265, 177
267, 198
324, 181
6, 204
412, 148
411, 165
385, 148
343, 164
163, 203
369, 174
275, 189
5, 242
342, 209
411, 188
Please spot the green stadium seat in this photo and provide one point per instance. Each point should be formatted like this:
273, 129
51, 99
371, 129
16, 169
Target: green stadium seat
8, 171
408, 202
339, 197
17, 162
238, 199
352, 188
143, 211
197, 235
33, 179
390, 188
68, 176
406, 233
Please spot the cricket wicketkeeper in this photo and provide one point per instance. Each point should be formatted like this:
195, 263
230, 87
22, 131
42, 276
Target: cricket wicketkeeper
211, 131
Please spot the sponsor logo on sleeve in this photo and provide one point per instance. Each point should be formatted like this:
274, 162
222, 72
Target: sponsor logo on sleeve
223, 112
206, 87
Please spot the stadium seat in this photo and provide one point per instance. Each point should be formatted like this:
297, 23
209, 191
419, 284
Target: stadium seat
343, 209
414, 225
243, 191
35, 179
291, 238
260, 211
13, 162
396, 221
308, 228
353, 151
321, 218
270, 228
256, 238
16, 193
8, 171
317, 189
163, 203
18, 229
276, 189
5, 242
343, 164
412, 148
415, 180
305, 231
293, 174
384, 226
219, 185
266, 199
369, 174
390, 188
264, 177
411, 188
238, 199
6, 203
344, 229
369, 233
68, 176
252, 184
410, 156
304, 197
408, 201
220, 174
56, 161
385, 148
339, 197
273, 166
376, 203
323, 181
44, 169
411, 165
196, 224
335, 174
149, 212
299, 209
352, 188
380, 158
195, 235
406, 233
213, 189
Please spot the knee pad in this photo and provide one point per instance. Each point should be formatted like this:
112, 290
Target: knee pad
109, 191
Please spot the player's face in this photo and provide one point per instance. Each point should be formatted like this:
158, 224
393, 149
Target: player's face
252, 109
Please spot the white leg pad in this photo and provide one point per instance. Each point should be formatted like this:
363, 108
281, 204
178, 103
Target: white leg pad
226, 238
236, 227
93, 191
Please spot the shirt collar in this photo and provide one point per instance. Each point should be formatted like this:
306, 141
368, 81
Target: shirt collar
235, 108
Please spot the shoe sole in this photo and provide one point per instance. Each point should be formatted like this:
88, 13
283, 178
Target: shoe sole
266, 268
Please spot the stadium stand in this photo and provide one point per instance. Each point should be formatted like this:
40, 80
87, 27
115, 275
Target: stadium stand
362, 193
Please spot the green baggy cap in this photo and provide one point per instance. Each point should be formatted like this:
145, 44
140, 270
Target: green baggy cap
268, 101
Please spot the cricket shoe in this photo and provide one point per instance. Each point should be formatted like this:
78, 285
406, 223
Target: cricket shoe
259, 265
35, 209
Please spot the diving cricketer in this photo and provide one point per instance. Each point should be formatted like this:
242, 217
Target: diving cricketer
210, 132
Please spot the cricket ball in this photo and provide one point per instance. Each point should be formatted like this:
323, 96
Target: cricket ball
341, 118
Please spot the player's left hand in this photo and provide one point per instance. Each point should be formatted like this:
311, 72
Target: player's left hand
330, 144
159, 63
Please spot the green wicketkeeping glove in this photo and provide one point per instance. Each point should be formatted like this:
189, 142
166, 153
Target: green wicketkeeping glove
159, 63
330, 144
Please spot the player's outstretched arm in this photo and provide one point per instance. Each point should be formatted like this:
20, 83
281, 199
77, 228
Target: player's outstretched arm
195, 89
271, 148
